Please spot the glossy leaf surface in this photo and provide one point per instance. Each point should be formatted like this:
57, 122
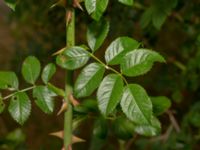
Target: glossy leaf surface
44, 98
73, 58
11, 3
48, 72
139, 62
20, 107
88, 80
151, 129
136, 104
96, 34
96, 8
109, 93
118, 48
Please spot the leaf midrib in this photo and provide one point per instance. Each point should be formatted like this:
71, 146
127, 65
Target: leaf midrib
139, 107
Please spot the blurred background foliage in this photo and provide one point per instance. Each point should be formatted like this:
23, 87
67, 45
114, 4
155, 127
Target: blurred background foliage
171, 27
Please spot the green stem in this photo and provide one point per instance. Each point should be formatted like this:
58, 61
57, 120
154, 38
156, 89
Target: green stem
180, 65
121, 145
108, 67
70, 41
24, 90
139, 6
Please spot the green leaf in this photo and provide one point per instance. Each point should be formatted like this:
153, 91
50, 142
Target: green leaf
90, 105
78, 121
118, 48
100, 128
11, 4
160, 104
194, 114
44, 98
8, 80
149, 129
88, 80
31, 69
139, 62
157, 13
126, 2
109, 93
73, 58
146, 17
159, 18
96, 34
20, 107
123, 128
16, 136
48, 72
96, 8
2, 104
136, 104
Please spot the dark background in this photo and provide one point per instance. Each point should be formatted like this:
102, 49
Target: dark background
34, 29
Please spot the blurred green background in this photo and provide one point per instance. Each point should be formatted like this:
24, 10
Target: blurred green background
173, 29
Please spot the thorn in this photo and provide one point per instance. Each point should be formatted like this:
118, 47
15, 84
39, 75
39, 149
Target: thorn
63, 108
68, 16
59, 51
59, 3
54, 5
77, 4
59, 134
76, 139
74, 101
69, 147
